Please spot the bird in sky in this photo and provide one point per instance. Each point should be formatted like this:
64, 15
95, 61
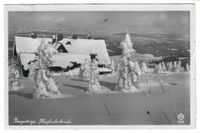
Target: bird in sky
105, 20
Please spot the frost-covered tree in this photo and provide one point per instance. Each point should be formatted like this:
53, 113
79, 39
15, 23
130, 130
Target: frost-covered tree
128, 68
85, 69
32, 69
187, 67
15, 85
144, 68
94, 85
45, 85
163, 66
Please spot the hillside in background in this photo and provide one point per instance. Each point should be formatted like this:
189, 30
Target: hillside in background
164, 45
155, 44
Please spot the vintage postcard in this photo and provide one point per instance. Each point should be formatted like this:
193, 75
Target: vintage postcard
116, 65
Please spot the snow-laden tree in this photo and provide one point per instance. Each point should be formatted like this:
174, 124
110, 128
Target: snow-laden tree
85, 69
32, 69
144, 68
94, 85
128, 68
15, 85
163, 66
89, 70
45, 85
187, 67
170, 66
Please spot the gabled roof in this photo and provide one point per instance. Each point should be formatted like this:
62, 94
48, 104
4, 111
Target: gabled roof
59, 46
77, 46
86, 47
27, 44
64, 59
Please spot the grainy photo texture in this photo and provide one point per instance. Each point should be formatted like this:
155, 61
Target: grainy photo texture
99, 67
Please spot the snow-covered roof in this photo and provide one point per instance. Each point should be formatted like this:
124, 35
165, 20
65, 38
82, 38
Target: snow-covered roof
77, 46
63, 59
25, 58
27, 44
86, 47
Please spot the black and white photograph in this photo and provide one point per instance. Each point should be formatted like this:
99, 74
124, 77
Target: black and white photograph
110, 64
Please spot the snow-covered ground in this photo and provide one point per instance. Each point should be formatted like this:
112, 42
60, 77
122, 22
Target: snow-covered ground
159, 107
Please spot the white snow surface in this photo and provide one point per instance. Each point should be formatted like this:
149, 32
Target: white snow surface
63, 59
77, 47
86, 47
25, 58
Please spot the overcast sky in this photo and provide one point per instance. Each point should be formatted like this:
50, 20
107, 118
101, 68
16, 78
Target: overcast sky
101, 22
